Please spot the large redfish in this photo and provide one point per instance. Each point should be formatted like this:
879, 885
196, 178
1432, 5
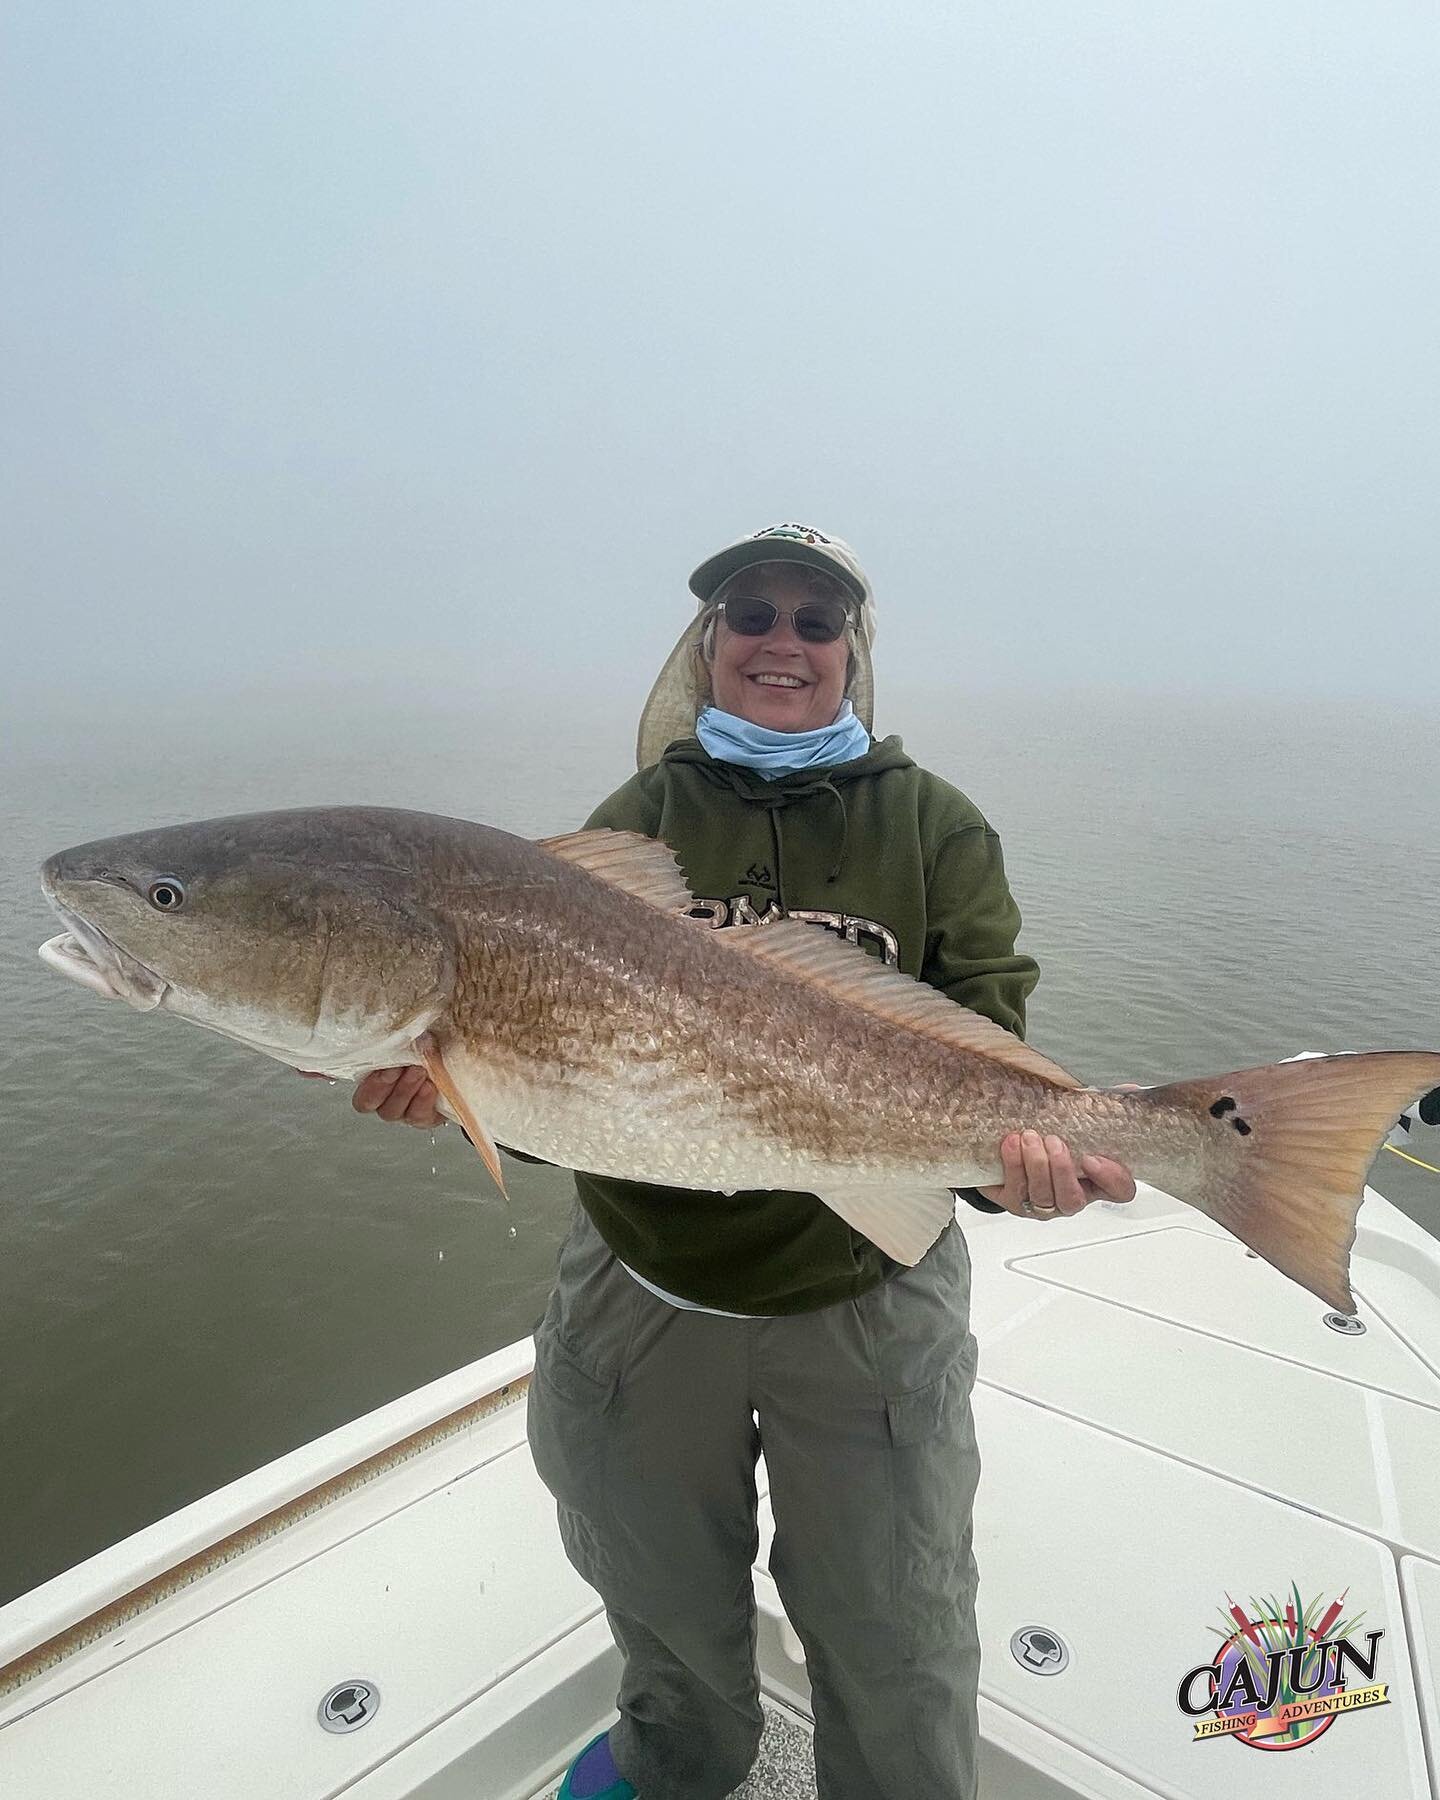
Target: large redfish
565, 1006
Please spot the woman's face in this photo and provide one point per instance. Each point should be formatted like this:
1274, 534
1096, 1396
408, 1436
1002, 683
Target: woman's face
779, 680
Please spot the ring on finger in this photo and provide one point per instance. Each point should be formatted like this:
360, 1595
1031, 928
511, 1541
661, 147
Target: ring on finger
1032, 1211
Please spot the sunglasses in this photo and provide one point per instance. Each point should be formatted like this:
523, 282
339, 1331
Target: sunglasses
817, 622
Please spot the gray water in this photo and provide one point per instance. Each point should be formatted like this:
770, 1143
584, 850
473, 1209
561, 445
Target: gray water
205, 1261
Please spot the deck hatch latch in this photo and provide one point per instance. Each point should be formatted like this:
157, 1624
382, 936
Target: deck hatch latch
1039, 1650
349, 1706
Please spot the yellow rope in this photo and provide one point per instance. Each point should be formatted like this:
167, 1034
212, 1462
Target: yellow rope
1409, 1158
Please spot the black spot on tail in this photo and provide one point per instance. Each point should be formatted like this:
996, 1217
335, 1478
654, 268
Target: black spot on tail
1226, 1104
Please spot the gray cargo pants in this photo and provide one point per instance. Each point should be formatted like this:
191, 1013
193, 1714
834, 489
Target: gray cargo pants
643, 1424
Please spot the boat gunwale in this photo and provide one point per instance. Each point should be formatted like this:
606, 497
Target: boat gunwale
503, 1378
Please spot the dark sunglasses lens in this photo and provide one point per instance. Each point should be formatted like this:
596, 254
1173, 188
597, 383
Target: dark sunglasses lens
820, 623
750, 617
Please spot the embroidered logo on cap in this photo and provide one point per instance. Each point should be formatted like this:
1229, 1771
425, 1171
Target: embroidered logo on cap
801, 534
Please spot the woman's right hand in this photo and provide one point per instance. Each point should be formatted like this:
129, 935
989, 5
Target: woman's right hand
405, 1095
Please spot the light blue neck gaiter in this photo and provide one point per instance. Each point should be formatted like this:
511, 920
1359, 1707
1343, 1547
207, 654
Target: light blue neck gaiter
731, 739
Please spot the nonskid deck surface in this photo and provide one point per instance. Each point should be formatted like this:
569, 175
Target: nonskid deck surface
784, 1769
1166, 1427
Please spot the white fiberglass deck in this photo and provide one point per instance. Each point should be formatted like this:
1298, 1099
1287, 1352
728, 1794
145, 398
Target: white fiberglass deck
1165, 1425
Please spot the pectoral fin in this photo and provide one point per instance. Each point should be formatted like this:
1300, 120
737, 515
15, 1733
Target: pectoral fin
429, 1053
903, 1222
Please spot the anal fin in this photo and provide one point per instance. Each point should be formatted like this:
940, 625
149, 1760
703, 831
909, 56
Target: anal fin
903, 1222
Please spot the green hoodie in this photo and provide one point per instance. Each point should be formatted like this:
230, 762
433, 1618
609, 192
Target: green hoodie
878, 850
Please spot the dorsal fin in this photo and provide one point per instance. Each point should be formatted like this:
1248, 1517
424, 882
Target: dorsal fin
646, 868
637, 865
850, 974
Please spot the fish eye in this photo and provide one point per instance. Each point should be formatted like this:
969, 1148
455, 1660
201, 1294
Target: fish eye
166, 894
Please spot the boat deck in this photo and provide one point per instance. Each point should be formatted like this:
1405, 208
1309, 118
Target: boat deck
1166, 1427
785, 1767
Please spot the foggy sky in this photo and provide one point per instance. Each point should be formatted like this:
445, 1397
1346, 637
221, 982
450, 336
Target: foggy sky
434, 344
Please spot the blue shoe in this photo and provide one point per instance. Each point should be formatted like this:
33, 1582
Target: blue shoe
593, 1775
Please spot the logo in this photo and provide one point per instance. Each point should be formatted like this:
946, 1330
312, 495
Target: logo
868, 934
1279, 1679
800, 534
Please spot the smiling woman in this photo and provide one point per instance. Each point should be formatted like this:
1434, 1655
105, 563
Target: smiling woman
778, 647
732, 1316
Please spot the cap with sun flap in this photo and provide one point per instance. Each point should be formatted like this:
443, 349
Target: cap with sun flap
682, 689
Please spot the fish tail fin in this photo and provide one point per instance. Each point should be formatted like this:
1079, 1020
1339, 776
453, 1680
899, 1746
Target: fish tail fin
1286, 1151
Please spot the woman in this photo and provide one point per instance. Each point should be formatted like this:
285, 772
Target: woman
688, 1331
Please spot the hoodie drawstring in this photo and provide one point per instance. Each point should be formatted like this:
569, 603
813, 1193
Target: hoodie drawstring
779, 858
775, 804
844, 830
774, 800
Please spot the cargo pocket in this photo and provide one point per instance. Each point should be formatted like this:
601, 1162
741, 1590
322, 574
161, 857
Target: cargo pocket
923, 1412
937, 1470
570, 1396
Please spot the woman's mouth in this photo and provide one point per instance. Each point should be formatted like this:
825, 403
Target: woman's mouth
791, 683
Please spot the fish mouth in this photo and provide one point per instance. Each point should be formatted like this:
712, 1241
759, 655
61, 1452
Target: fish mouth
83, 953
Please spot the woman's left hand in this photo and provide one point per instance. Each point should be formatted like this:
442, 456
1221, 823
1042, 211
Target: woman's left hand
1041, 1180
